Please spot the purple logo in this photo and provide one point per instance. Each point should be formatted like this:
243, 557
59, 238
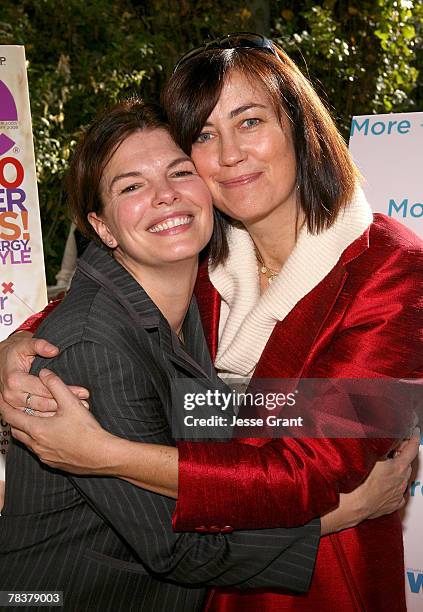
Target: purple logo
8, 112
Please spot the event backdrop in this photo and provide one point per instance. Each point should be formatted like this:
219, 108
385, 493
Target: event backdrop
388, 149
22, 278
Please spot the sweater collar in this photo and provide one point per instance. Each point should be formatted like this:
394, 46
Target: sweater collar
250, 317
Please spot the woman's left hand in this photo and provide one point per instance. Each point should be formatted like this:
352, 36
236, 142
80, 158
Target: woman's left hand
66, 440
383, 491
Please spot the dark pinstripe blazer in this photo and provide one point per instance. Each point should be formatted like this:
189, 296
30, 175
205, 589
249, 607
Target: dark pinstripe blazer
105, 543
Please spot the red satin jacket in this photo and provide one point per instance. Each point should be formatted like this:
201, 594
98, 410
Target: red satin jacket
363, 320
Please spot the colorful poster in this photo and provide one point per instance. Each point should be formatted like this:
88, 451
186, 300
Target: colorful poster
22, 277
388, 150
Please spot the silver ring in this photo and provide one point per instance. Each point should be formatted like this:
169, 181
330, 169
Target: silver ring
28, 400
29, 411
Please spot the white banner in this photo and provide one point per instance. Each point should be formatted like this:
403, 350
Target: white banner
22, 278
388, 149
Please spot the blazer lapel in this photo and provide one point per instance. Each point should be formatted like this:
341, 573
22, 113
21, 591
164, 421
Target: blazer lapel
197, 362
292, 339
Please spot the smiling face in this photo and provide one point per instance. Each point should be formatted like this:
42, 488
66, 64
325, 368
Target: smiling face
246, 156
156, 209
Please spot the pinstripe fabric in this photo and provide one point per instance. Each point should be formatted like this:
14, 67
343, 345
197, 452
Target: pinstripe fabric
106, 543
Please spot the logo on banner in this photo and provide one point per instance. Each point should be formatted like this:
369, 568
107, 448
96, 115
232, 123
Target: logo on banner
8, 117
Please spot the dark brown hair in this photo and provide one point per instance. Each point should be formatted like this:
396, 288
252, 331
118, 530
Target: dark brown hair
326, 174
94, 151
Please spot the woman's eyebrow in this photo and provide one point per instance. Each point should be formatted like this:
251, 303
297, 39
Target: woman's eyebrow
178, 160
239, 110
119, 177
245, 107
135, 174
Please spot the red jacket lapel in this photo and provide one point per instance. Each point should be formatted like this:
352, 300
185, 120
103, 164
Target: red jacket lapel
293, 339
209, 306
305, 329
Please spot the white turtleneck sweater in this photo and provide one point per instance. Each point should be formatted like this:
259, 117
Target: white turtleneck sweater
247, 318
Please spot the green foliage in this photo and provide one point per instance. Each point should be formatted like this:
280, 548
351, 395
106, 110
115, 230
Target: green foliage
85, 54
361, 54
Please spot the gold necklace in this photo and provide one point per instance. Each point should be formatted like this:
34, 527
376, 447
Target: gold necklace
268, 272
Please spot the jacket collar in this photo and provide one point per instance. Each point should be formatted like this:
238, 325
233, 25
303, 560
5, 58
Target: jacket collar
103, 269
97, 264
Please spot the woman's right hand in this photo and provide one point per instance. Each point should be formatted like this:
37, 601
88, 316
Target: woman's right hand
381, 493
73, 441
16, 356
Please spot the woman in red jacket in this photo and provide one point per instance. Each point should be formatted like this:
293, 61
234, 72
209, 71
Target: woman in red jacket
303, 282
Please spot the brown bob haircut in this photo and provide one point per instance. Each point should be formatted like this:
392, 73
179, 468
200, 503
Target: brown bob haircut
326, 174
95, 150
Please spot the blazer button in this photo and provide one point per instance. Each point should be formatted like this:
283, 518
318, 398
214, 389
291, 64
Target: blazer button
227, 529
214, 529
201, 529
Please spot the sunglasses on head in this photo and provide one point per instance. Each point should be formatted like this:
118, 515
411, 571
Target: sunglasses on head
237, 40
